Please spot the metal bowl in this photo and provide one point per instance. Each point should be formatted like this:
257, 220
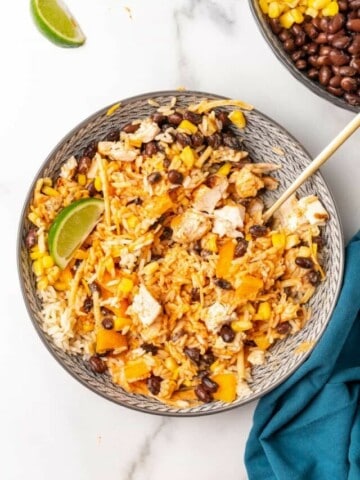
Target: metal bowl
285, 59
260, 137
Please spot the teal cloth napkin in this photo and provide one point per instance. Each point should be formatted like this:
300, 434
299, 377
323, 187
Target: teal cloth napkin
309, 427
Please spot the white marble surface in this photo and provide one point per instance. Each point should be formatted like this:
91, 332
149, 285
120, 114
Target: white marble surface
51, 426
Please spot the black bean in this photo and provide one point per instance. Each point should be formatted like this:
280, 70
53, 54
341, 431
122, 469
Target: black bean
193, 117
88, 304
227, 333
231, 141
166, 233
84, 165
195, 295
283, 328
319, 241
154, 177
91, 189
135, 201
339, 59
347, 71
175, 118
203, 394
340, 41
208, 358
258, 231
348, 84
90, 149
105, 311
107, 323
158, 118
249, 343
301, 64
352, 99
131, 128
175, 177
183, 139
289, 45
224, 284
113, 136
304, 262
214, 141
335, 91
354, 25
197, 139
223, 117
150, 149
240, 248
97, 365
193, 354
166, 162
275, 25
154, 384
209, 384
31, 238
150, 348
324, 75
336, 23
313, 73
335, 81
313, 277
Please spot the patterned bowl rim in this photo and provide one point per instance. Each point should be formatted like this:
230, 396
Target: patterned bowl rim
222, 408
280, 53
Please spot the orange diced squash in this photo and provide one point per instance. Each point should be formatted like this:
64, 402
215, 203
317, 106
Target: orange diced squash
136, 370
159, 205
121, 322
249, 286
110, 340
227, 387
226, 255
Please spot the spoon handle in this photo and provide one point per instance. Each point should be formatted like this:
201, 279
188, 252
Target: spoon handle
350, 128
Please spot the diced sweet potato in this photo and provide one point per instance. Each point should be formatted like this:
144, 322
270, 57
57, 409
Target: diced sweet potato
136, 370
226, 255
249, 287
110, 340
227, 387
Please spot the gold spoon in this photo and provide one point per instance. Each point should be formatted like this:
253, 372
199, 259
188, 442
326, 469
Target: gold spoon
350, 128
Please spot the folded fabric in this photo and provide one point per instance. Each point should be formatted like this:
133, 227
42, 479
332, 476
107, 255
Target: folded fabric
309, 427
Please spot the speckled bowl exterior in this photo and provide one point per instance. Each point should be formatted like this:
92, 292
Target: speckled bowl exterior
260, 137
277, 47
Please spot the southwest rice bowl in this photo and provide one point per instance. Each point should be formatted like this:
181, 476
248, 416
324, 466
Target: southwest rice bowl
180, 288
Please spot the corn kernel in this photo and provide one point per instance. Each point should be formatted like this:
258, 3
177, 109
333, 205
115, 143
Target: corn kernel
80, 254
274, 10
81, 178
278, 240
121, 322
97, 184
314, 249
210, 243
87, 327
264, 6
113, 109
37, 268
264, 311
292, 3
53, 274
241, 325
43, 283
47, 261
135, 142
126, 285
331, 9
248, 237
60, 286
50, 192
187, 156
36, 255
287, 20
318, 4
132, 221
297, 15
224, 170
187, 127
311, 12
238, 118
187, 383
171, 364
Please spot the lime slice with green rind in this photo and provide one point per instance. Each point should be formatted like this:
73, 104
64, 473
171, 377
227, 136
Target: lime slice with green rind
71, 227
55, 21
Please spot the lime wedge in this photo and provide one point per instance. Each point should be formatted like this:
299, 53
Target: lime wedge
71, 227
54, 20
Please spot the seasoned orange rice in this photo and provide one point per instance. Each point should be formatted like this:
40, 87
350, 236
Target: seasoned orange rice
181, 288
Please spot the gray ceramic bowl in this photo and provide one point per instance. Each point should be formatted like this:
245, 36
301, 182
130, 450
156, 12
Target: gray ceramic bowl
260, 137
277, 48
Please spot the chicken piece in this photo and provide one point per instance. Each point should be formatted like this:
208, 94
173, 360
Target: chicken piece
255, 210
247, 180
206, 199
270, 182
69, 168
190, 226
256, 357
228, 220
144, 306
290, 215
117, 151
215, 316
146, 132
313, 210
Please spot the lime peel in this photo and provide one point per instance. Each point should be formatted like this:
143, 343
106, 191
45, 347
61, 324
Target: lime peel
55, 21
71, 227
